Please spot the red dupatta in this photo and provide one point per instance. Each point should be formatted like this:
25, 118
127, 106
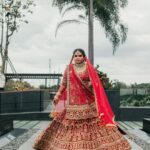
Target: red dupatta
104, 110
103, 107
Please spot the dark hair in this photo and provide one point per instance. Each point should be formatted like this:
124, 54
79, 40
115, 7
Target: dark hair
80, 50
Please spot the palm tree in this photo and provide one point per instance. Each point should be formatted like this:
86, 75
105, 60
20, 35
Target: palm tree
105, 11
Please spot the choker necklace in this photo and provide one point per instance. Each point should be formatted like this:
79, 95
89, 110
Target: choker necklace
80, 67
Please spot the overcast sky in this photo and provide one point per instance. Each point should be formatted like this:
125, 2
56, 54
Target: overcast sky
35, 44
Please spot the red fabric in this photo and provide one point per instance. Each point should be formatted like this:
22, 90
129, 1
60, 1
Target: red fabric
79, 94
63, 95
104, 109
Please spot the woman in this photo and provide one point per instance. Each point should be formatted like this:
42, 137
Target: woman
87, 121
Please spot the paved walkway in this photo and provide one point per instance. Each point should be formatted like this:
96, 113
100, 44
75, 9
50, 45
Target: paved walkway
28, 144
25, 132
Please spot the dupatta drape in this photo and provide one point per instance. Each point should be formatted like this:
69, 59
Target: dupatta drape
80, 93
103, 107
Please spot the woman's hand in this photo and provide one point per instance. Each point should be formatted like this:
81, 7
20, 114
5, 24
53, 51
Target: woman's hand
56, 98
55, 101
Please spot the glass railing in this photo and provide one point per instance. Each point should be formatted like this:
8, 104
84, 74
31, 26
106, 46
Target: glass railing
135, 97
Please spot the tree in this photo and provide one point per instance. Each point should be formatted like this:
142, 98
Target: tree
105, 11
12, 85
118, 85
11, 15
107, 84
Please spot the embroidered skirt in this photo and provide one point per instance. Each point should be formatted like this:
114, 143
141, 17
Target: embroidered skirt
83, 134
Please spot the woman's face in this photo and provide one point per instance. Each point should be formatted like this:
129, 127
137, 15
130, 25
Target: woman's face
78, 57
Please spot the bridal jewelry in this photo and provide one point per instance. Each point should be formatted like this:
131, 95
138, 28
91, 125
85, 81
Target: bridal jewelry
80, 67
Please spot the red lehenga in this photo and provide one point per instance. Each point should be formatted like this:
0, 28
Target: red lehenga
85, 123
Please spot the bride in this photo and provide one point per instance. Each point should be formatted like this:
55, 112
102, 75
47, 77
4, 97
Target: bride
86, 121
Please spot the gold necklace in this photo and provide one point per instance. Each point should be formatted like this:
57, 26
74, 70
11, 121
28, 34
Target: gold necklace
80, 67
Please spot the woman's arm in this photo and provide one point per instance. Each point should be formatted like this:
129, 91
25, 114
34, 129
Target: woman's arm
61, 88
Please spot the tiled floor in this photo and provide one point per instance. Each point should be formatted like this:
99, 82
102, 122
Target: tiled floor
33, 128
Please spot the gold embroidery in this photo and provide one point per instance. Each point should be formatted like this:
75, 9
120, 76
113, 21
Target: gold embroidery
78, 128
81, 111
80, 67
83, 134
86, 82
